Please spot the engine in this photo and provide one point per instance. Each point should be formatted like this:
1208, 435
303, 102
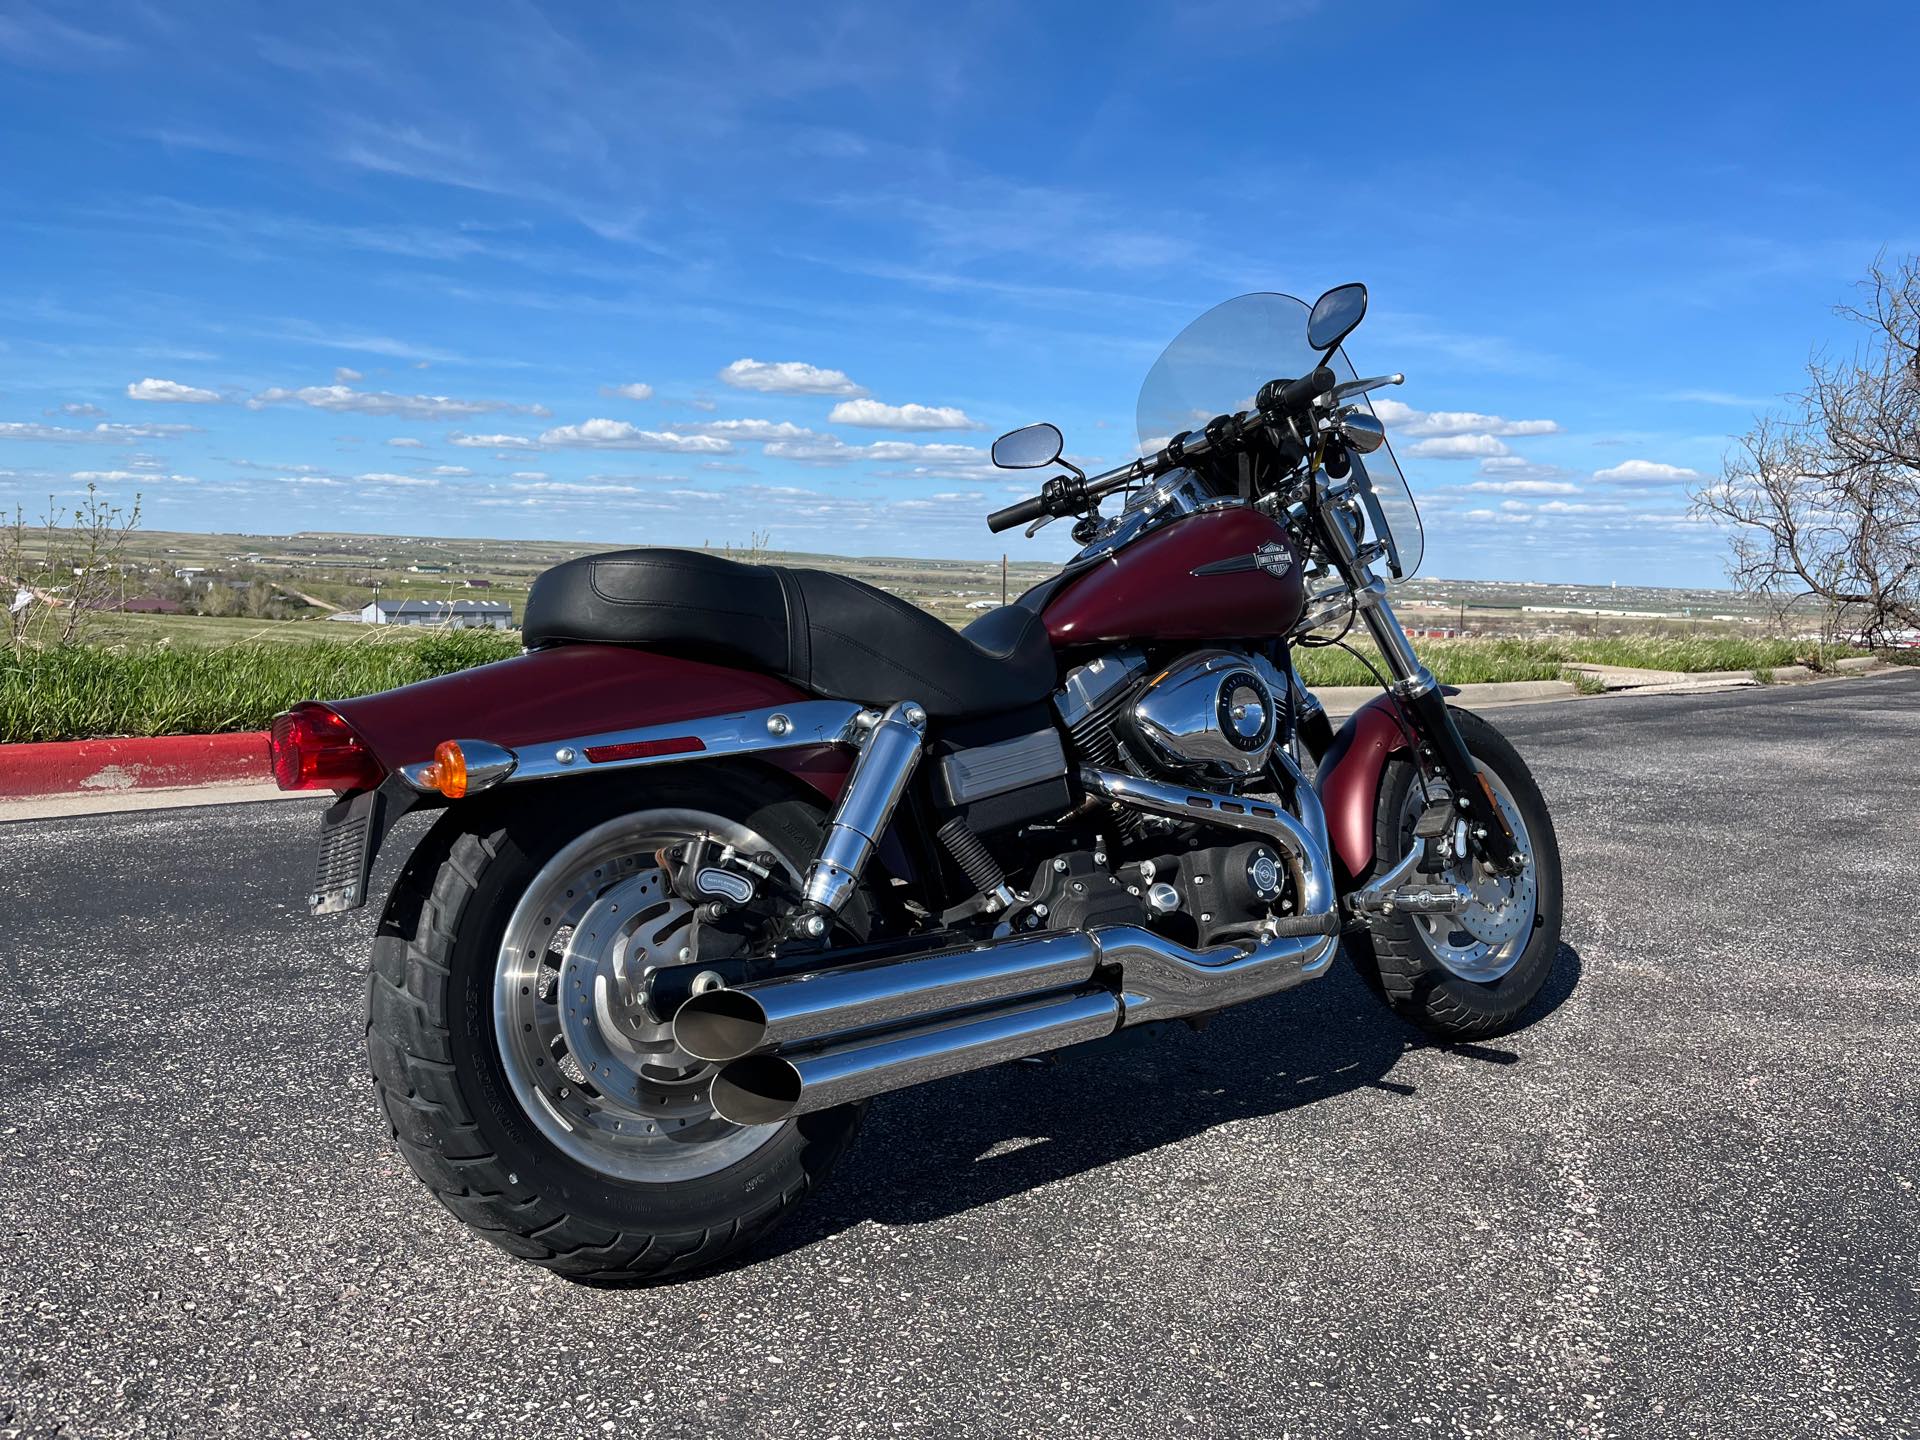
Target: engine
1211, 719
1213, 716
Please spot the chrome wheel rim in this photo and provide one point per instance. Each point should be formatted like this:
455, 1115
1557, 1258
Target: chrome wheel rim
598, 1075
1486, 940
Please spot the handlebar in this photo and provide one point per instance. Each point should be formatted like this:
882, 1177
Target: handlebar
1018, 513
1277, 399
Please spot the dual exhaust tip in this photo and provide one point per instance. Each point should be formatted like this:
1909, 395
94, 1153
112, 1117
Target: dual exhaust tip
792, 1046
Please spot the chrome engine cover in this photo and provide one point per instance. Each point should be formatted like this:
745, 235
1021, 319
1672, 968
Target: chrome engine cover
1215, 710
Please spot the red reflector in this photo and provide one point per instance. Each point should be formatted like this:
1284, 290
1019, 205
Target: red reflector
641, 749
314, 749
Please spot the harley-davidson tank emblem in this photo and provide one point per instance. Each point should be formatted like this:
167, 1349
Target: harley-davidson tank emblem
1270, 556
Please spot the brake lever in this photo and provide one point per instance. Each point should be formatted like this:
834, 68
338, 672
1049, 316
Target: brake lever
1037, 526
1361, 387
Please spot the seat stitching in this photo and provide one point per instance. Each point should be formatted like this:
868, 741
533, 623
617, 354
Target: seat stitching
890, 662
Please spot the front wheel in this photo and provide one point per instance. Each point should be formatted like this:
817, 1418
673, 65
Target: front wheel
554, 1119
1467, 976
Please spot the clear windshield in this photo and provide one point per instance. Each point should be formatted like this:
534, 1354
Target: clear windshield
1219, 362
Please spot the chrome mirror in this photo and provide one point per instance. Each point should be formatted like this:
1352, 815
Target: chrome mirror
1028, 448
1334, 316
1362, 430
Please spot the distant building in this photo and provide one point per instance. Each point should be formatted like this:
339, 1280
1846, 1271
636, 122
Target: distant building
479, 584
189, 573
453, 614
427, 569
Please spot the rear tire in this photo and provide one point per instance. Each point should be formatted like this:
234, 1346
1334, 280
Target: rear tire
1397, 958
453, 1109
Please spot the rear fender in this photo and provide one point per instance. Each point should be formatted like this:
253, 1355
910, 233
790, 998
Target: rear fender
545, 696
1348, 780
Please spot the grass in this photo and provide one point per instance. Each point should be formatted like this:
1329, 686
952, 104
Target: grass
76, 691
200, 680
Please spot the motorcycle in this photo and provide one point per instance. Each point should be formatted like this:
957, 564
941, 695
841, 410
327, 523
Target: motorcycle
732, 849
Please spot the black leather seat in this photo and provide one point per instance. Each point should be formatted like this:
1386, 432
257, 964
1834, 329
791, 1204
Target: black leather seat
825, 633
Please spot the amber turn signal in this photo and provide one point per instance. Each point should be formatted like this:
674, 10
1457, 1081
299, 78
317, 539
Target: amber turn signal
448, 771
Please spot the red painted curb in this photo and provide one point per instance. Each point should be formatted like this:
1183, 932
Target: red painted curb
153, 763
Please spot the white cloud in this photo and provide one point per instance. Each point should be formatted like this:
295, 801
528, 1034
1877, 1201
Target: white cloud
756, 430
788, 377
451, 470
80, 407
872, 415
529, 475
1458, 447
384, 477
1645, 472
111, 477
346, 376
342, 399
619, 435
492, 442
1562, 507
103, 434
1418, 423
171, 392
831, 449
637, 390
405, 442
1525, 487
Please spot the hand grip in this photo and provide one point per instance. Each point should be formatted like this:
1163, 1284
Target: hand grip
1290, 395
1018, 513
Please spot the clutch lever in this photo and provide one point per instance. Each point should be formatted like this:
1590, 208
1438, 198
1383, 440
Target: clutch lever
1037, 526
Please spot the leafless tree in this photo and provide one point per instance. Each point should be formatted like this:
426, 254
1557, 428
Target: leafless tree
1824, 501
57, 575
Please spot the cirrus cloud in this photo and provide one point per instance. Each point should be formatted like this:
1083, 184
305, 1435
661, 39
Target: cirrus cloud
343, 399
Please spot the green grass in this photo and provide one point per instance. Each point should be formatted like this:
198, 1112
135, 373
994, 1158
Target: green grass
77, 691
190, 682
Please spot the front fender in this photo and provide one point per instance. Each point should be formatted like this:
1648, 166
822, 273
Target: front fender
1348, 781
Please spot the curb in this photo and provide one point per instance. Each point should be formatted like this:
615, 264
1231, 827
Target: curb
161, 762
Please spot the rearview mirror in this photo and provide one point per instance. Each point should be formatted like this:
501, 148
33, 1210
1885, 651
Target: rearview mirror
1335, 314
1028, 448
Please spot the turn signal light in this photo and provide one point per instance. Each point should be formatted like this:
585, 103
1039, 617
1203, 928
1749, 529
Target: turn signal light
314, 749
447, 772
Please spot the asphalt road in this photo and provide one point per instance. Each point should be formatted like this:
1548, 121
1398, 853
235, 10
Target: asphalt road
1680, 1202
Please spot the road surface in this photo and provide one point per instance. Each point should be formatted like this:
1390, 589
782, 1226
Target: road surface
1680, 1202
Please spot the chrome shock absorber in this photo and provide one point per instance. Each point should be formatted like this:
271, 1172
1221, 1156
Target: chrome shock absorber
880, 774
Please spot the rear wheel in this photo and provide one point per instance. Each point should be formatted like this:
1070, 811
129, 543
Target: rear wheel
1470, 975
542, 1106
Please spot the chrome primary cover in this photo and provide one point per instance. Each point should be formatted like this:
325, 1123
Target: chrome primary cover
1214, 709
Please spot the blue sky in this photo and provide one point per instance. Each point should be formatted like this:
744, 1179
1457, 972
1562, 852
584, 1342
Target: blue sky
681, 273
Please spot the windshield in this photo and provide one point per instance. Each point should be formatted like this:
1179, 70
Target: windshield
1219, 362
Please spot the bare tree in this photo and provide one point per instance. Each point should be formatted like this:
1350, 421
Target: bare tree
58, 575
1824, 501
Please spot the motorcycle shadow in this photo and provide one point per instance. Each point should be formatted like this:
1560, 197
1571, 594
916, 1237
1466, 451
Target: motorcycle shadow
947, 1148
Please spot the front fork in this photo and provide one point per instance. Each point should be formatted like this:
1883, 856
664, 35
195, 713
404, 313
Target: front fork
1420, 699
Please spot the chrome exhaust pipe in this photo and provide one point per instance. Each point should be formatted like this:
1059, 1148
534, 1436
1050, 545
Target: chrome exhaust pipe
807, 1042
762, 1089
1156, 979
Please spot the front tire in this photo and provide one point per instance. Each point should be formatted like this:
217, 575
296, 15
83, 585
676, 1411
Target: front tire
1447, 979
597, 1158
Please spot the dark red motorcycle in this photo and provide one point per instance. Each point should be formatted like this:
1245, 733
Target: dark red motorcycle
733, 848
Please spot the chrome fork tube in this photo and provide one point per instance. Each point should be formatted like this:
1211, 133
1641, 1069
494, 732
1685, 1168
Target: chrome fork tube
880, 775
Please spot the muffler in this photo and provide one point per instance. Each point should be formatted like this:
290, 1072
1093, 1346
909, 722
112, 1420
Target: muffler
801, 1043
1119, 975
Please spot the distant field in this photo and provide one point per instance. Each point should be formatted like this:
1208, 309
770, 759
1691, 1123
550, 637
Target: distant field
196, 681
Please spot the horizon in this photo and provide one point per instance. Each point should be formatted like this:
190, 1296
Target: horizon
655, 277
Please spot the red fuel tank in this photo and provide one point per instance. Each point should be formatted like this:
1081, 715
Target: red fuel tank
1226, 574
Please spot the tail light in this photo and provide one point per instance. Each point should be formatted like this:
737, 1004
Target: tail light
314, 749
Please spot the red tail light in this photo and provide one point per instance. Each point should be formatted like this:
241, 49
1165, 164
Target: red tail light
314, 749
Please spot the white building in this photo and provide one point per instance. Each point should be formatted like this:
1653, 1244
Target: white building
449, 614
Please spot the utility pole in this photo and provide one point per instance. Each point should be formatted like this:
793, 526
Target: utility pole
1003, 577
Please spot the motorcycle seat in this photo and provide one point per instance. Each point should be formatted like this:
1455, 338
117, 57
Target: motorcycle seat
825, 633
